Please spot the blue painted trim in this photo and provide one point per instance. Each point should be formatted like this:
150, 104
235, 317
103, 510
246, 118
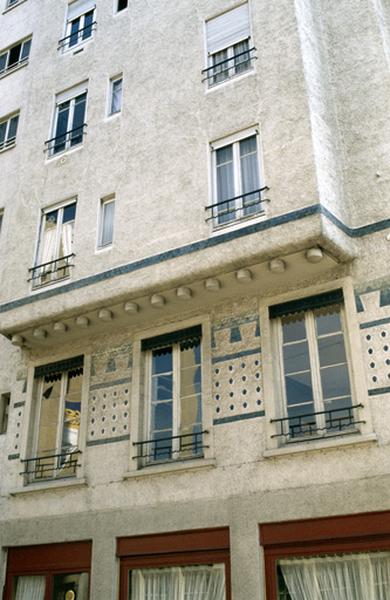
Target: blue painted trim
359, 303
384, 297
379, 391
18, 404
13, 456
296, 215
375, 323
218, 359
120, 438
99, 386
254, 415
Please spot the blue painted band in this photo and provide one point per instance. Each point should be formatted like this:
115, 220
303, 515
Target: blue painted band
235, 355
375, 323
379, 391
13, 456
254, 415
120, 438
314, 209
18, 404
99, 386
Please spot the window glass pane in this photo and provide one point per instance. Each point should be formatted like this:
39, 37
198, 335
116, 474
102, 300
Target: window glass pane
225, 184
107, 223
61, 126
293, 329
122, 4
25, 49
30, 588
241, 60
78, 119
3, 61
219, 61
116, 98
162, 360
88, 20
49, 415
162, 387
335, 382
3, 129
250, 179
299, 388
72, 410
69, 213
296, 357
328, 323
66, 240
13, 126
331, 350
74, 32
14, 55
77, 583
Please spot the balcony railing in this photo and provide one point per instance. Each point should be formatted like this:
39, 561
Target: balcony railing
8, 143
14, 65
338, 420
167, 449
51, 271
229, 67
238, 207
74, 38
66, 140
51, 466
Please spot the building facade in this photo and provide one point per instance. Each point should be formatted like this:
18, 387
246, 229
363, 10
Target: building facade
194, 299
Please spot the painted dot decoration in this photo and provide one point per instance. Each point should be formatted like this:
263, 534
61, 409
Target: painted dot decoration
370, 351
245, 404
231, 407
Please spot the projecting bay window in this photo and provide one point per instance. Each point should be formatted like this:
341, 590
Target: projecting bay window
69, 120
80, 24
55, 450
15, 56
312, 369
8, 130
55, 250
173, 415
236, 181
229, 48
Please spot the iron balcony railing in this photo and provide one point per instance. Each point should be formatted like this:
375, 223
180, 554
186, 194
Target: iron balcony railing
238, 207
74, 38
166, 449
66, 140
51, 466
234, 65
51, 271
8, 143
307, 425
15, 65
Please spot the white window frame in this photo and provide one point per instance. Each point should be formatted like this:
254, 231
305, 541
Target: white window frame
68, 95
103, 203
112, 81
9, 142
21, 62
64, 43
117, 11
235, 140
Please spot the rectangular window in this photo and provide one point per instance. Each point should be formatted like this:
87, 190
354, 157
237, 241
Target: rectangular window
8, 130
69, 121
65, 575
121, 5
55, 248
189, 565
229, 49
116, 85
106, 222
55, 439
174, 403
15, 56
5, 400
314, 373
80, 23
237, 186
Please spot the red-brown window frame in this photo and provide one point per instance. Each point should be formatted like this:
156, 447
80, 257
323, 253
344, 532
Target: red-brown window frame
366, 532
47, 560
193, 547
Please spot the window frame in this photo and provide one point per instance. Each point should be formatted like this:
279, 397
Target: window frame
234, 141
64, 43
70, 96
9, 142
111, 199
21, 62
112, 81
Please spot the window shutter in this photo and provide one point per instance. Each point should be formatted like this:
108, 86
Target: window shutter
80, 7
310, 303
187, 337
59, 367
227, 29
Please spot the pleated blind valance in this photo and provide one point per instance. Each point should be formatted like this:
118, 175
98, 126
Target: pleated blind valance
227, 29
79, 7
187, 337
59, 367
309, 303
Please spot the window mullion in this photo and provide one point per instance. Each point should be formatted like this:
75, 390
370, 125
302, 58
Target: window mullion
69, 124
59, 232
37, 419
60, 424
176, 396
315, 369
237, 179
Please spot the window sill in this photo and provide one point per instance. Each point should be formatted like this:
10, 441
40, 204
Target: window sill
7, 148
53, 484
189, 465
14, 69
233, 79
321, 444
239, 223
64, 153
9, 8
50, 284
71, 50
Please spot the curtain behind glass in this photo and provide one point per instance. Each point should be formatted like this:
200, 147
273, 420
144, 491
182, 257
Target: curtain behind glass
108, 213
225, 184
116, 100
30, 588
250, 179
179, 583
354, 577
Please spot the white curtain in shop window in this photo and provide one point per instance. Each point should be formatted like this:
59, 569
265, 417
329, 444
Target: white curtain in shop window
30, 588
179, 583
348, 577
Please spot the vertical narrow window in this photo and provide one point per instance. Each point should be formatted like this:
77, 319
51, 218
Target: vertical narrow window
229, 51
80, 23
121, 5
106, 225
69, 121
116, 87
5, 400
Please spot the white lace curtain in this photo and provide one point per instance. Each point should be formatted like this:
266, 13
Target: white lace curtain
347, 577
179, 583
30, 588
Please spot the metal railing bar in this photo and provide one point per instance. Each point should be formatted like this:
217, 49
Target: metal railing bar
232, 58
67, 133
77, 33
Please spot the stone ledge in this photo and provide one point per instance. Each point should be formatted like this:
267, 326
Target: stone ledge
321, 444
49, 485
189, 465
